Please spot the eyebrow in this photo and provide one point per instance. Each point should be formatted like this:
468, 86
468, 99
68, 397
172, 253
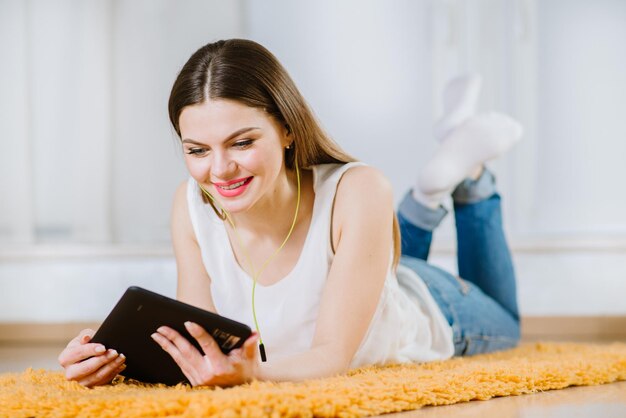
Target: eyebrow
231, 136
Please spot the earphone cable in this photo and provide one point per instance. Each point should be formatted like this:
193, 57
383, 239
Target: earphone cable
256, 275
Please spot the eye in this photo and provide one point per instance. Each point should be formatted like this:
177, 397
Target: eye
197, 151
243, 144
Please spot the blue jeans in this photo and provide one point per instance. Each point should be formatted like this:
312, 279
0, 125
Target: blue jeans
481, 305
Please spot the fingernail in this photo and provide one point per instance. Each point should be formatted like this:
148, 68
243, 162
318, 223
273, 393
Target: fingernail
189, 324
122, 356
100, 349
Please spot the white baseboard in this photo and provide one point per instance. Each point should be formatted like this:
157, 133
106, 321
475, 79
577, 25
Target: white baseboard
85, 288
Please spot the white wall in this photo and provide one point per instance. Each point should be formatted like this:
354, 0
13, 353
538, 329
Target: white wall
373, 73
364, 68
88, 161
582, 135
87, 150
152, 40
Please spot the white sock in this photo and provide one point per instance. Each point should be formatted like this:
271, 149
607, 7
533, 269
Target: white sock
463, 153
460, 97
432, 200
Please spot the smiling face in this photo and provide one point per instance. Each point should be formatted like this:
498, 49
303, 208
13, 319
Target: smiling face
234, 151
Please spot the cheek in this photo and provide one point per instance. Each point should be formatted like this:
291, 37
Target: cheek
253, 161
198, 167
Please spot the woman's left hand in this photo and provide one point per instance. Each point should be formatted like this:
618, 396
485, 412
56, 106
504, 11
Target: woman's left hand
210, 367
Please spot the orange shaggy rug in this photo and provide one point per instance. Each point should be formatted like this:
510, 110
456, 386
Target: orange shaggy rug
363, 392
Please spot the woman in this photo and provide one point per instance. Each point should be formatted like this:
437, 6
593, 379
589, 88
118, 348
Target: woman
280, 229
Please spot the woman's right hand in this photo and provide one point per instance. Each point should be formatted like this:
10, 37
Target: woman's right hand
90, 364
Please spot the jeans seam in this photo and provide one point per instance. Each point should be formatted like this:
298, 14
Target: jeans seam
464, 286
472, 339
455, 317
490, 338
456, 326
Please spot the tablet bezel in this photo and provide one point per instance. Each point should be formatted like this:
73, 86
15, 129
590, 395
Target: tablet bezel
139, 313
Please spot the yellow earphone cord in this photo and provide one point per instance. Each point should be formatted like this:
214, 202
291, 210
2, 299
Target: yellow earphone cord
255, 276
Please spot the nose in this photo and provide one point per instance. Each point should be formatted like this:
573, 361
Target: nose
222, 167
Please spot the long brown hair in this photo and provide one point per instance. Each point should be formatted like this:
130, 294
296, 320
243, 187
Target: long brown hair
244, 71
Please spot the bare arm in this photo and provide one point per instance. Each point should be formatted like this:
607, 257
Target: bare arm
363, 214
194, 283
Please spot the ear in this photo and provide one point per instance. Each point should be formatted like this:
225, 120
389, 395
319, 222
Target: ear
288, 142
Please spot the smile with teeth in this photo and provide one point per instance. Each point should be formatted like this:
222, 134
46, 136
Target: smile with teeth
234, 185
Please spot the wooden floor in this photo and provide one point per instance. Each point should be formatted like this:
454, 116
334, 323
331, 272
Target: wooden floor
604, 401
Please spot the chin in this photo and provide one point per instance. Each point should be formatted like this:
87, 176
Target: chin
234, 205
236, 208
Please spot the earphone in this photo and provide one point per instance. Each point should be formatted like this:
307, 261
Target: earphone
256, 275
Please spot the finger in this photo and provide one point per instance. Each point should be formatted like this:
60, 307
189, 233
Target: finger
72, 355
80, 338
209, 346
164, 338
217, 362
85, 335
247, 352
84, 368
236, 353
250, 346
183, 345
104, 374
81, 369
87, 332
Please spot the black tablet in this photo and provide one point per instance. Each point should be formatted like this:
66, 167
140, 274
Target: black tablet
139, 313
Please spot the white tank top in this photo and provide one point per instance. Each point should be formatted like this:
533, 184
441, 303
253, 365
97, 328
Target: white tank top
407, 325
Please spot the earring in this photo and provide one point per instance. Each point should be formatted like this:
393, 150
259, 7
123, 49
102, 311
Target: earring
289, 146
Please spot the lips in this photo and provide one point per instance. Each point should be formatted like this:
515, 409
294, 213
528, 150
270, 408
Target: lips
233, 183
234, 187
228, 183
